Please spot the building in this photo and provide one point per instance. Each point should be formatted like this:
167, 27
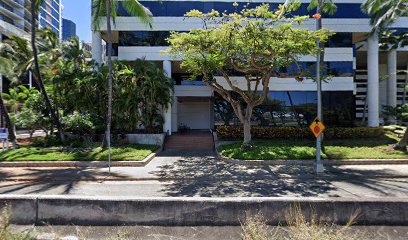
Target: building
14, 20
51, 16
68, 29
353, 59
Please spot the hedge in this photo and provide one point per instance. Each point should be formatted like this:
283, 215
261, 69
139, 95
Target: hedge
234, 132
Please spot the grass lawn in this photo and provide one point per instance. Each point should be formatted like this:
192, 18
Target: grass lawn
130, 152
379, 148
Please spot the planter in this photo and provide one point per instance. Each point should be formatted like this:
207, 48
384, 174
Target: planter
143, 138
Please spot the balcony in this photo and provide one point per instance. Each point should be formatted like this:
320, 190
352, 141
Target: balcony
10, 11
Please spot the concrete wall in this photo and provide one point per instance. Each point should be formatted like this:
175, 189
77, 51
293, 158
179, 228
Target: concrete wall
154, 139
65, 210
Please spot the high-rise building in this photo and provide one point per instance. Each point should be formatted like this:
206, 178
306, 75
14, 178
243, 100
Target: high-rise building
14, 18
51, 16
68, 29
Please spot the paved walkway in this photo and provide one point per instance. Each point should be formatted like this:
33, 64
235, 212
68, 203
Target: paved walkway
202, 174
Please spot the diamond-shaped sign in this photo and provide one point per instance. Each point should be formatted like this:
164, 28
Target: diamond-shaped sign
317, 127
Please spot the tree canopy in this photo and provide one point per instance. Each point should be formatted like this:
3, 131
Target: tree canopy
255, 43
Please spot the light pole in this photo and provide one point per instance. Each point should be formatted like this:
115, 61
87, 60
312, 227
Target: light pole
319, 164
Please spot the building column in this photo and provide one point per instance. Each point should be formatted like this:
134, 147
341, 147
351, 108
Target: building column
392, 78
373, 81
167, 113
97, 47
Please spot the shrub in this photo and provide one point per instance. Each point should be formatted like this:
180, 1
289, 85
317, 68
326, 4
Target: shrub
78, 123
234, 132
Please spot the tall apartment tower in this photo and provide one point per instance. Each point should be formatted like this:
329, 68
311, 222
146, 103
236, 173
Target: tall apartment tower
14, 18
51, 16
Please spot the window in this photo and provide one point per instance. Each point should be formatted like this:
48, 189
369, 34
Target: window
143, 38
292, 108
115, 49
179, 8
341, 40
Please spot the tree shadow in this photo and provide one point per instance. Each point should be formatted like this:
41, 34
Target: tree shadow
40, 180
207, 176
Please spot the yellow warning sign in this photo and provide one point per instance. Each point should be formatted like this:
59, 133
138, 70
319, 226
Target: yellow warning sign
317, 127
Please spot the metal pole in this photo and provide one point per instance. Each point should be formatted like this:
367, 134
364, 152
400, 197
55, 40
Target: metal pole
30, 79
319, 164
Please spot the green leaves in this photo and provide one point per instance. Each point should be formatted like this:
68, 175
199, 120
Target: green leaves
326, 6
384, 12
133, 7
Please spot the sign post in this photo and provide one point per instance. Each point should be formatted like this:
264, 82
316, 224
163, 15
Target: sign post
317, 128
4, 138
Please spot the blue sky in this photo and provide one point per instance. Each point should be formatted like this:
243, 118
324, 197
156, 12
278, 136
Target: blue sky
79, 11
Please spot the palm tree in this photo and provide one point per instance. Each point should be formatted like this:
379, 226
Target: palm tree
35, 7
109, 8
383, 13
16, 59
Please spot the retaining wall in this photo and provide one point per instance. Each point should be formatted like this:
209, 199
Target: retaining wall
63, 210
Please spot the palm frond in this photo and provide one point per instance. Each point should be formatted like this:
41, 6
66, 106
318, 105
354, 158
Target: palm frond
134, 8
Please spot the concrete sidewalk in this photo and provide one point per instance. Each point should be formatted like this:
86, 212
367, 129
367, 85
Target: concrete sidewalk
177, 174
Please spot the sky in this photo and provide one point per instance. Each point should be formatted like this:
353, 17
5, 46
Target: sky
79, 11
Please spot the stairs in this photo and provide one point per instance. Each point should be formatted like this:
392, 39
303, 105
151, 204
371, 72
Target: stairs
190, 141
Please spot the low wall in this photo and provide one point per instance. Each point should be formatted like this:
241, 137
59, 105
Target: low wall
153, 139
64, 210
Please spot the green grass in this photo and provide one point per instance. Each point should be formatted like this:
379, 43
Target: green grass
379, 148
130, 152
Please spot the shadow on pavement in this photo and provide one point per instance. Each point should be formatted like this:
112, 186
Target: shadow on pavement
44, 179
202, 174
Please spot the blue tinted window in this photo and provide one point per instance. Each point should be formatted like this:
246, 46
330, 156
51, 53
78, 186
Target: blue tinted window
340, 69
115, 49
174, 8
55, 5
341, 40
143, 38
292, 108
55, 13
55, 22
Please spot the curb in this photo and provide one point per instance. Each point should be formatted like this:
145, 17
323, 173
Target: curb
197, 211
281, 177
96, 164
309, 162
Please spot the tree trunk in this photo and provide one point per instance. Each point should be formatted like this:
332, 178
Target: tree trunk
402, 144
38, 78
109, 114
247, 144
9, 126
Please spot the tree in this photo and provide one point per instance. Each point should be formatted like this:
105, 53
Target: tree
255, 43
35, 7
108, 9
384, 13
153, 92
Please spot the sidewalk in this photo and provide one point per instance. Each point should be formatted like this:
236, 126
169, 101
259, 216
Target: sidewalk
171, 175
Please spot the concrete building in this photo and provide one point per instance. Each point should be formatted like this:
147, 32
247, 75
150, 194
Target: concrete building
353, 59
68, 29
14, 20
51, 16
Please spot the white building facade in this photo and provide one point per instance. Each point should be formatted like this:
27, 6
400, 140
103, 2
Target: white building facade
356, 91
